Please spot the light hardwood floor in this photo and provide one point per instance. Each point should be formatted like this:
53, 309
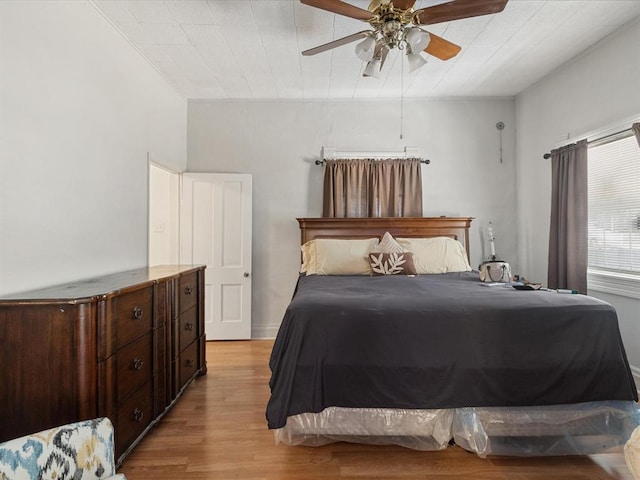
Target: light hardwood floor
218, 431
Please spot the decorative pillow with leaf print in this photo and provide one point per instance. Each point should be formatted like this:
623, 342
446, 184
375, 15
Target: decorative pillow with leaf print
392, 263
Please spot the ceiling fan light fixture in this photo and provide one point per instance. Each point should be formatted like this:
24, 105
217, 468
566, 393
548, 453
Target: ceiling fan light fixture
417, 39
366, 48
415, 61
372, 69
395, 24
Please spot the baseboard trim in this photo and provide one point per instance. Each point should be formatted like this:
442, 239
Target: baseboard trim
267, 332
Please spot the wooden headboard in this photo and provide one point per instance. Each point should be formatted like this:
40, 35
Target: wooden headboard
453, 227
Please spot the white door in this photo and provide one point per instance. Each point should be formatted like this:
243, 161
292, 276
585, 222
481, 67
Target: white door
215, 230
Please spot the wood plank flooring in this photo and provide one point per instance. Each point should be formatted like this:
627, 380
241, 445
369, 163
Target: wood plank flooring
218, 431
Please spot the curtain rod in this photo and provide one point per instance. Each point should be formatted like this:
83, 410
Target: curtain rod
547, 155
426, 161
330, 153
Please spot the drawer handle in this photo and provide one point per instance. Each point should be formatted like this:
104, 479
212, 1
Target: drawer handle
138, 415
188, 290
189, 363
137, 363
137, 313
188, 326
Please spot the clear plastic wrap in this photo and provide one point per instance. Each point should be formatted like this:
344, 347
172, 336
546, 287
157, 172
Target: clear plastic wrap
415, 429
578, 429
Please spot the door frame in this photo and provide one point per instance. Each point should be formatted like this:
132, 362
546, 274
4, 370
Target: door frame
163, 214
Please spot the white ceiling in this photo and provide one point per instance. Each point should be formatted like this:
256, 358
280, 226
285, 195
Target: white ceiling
229, 49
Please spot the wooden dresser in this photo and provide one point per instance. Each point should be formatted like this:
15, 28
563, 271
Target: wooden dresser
122, 346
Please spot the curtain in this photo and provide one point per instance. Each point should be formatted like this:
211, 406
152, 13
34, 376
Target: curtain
569, 217
372, 188
636, 131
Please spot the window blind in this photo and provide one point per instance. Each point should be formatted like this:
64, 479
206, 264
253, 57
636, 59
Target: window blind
614, 205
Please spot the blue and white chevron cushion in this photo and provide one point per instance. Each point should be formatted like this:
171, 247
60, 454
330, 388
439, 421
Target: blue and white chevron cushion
78, 451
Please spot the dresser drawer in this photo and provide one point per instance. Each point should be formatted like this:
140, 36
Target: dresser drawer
187, 328
188, 291
188, 363
134, 366
134, 313
132, 417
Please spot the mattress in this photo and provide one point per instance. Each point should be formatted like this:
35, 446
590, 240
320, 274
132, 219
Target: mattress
441, 342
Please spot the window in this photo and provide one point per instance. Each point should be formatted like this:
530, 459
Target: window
614, 209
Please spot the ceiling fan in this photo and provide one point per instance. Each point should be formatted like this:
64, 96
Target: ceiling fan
396, 24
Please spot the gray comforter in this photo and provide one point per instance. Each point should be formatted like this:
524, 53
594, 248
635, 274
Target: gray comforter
441, 341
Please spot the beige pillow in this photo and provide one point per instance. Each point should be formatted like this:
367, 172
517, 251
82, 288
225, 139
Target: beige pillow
339, 257
389, 245
437, 254
308, 256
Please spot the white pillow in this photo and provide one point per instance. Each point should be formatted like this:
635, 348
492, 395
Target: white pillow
437, 254
389, 245
327, 256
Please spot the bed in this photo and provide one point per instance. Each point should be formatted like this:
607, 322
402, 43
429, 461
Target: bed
433, 357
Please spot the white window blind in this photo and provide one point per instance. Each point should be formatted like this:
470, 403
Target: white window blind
614, 205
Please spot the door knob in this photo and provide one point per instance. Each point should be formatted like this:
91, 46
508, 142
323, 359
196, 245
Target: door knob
246, 274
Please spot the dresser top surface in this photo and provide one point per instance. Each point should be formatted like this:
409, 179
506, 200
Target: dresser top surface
90, 288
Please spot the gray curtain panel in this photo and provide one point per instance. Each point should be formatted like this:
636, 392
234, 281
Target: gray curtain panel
569, 217
372, 188
636, 131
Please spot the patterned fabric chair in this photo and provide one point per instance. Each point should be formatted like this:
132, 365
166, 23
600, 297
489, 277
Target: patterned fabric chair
77, 451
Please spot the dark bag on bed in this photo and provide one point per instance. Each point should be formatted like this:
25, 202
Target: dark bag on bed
495, 271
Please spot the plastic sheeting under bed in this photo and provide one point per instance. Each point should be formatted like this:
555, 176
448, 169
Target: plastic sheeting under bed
416, 429
578, 429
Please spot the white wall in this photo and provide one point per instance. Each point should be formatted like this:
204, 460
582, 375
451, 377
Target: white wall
596, 90
278, 141
79, 110
164, 216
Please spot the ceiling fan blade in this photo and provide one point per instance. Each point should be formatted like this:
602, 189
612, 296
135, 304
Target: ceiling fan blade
337, 43
403, 4
441, 48
341, 8
456, 10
